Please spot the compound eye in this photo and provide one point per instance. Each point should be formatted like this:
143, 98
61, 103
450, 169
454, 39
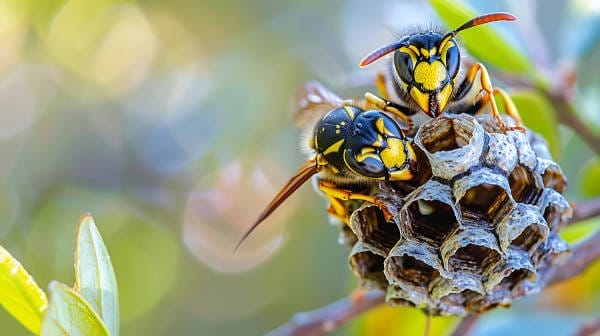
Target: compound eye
452, 59
404, 66
367, 165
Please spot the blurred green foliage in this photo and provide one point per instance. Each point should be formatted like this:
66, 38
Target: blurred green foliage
91, 307
484, 42
540, 116
169, 121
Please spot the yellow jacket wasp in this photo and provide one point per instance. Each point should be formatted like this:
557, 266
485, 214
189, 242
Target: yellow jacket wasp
423, 76
355, 146
350, 147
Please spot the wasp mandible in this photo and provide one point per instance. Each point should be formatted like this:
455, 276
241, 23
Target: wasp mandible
424, 72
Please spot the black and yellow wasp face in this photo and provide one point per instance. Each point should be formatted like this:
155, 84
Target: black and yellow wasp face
353, 143
426, 66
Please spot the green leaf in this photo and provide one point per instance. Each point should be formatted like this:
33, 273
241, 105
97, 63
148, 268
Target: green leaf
69, 314
483, 42
539, 115
590, 175
19, 294
94, 275
574, 233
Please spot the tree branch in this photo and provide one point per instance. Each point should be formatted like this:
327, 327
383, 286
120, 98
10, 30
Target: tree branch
583, 255
334, 315
567, 116
586, 209
465, 326
331, 317
589, 328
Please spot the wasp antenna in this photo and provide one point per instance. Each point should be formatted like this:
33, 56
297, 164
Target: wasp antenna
483, 19
308, 169
379, 53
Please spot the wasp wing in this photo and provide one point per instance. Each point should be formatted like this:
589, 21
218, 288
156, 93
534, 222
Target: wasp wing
311, 101
308, 169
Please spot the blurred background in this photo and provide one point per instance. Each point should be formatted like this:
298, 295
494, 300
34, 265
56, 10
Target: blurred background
169, 121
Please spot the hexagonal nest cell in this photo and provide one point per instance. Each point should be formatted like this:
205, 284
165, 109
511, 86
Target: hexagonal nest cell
410, 269
398, 296
446, 135
367, 266
552, 175
474, 229
431, 221
473, 258
526, 186
460, 299
370, 227
515, 278
484, 201
523, 229
556, 210
509, 272
529, 238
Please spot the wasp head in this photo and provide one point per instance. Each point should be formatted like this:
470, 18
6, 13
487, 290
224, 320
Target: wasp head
351, 145
363, 144
426, 64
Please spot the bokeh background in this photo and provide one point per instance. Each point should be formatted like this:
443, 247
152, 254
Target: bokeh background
169, 121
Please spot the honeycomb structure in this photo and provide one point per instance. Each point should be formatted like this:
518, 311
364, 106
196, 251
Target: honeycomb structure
474, 229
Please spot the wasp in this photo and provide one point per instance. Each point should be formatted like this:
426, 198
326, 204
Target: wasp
423, 75
350, 148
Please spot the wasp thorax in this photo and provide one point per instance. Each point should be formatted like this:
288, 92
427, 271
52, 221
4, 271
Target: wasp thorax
476, 233
368, 144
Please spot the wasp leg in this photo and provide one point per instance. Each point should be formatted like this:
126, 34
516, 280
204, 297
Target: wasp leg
486, 85
510, 108
381, 87
388, 106
336, 195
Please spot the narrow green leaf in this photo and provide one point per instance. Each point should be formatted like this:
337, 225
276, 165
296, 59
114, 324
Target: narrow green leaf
483, 42
69, 314
19, 294
588, 180
94, 275
539, 115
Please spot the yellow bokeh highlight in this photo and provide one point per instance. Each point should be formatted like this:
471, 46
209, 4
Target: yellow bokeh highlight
111, 44
392, 321
13, 31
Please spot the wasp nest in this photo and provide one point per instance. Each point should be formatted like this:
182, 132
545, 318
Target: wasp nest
474, 229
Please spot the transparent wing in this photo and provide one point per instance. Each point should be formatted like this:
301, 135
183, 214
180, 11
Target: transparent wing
310, 101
